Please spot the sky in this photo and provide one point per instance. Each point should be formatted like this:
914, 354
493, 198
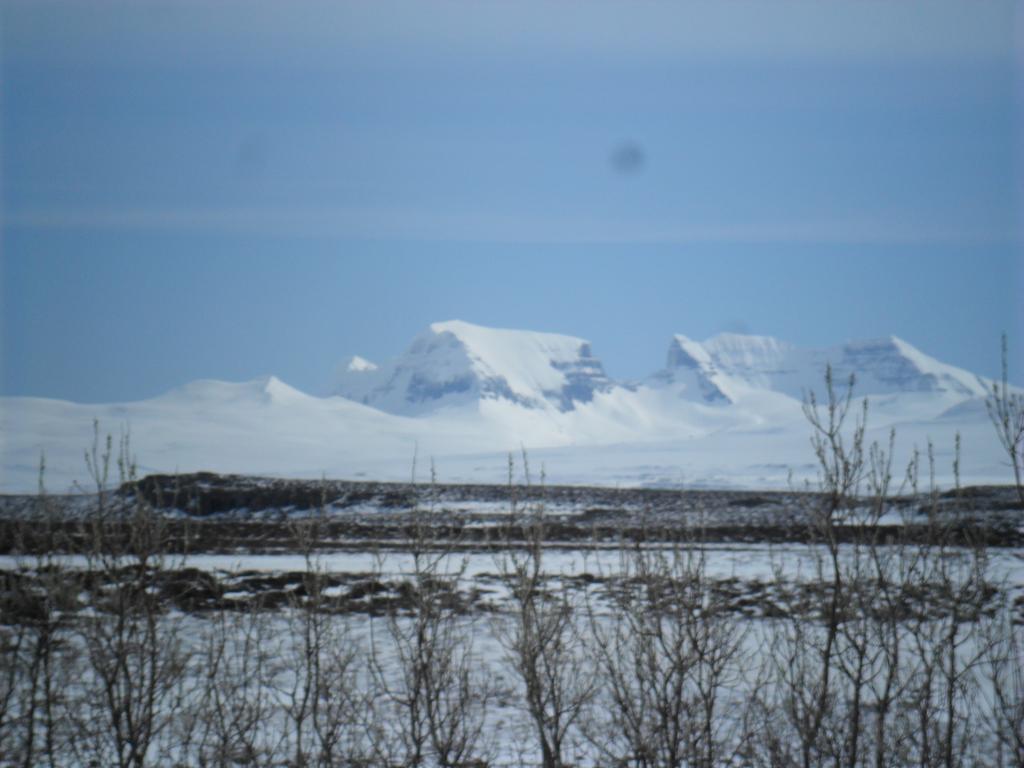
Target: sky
237, 189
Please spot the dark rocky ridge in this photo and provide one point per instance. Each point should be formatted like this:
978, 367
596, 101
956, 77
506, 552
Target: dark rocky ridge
210, 512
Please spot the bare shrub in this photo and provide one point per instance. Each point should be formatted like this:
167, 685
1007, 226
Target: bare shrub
231, 700
885, 669
436, 692
130, 688
1004, 670
37, 601
542, 636
318, 672
667, 651
1006, 410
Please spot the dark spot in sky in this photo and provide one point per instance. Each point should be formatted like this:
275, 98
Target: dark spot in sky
627, 158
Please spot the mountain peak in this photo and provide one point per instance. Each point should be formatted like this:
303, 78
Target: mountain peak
276, 389
891, 364
265, 389
458, 326
489, 341
716, 367
729, 340
455, 363
684, 352
358, 364
689, 366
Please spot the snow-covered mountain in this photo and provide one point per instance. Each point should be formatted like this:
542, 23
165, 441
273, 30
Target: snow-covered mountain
456, 363
726, 411
719, 369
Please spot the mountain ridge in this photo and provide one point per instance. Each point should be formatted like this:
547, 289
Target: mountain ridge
454, 363
725, 412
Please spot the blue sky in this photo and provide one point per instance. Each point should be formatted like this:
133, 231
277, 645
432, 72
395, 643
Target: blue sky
227, 190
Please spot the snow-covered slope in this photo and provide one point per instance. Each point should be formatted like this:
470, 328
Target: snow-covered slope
726, 411
457, 363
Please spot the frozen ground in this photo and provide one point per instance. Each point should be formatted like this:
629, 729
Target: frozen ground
249, 565
366, 614
751, 578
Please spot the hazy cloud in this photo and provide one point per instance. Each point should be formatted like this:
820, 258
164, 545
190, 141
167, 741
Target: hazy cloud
419, 224
327, 33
